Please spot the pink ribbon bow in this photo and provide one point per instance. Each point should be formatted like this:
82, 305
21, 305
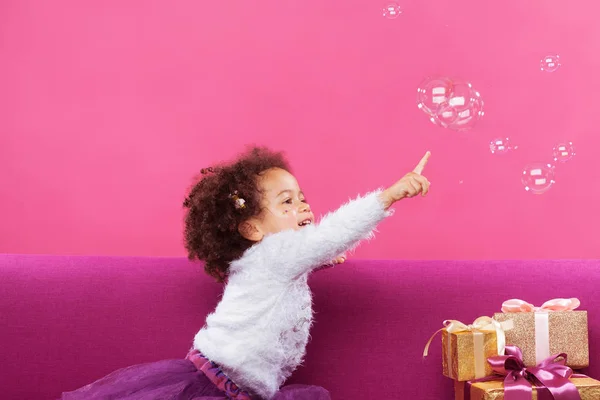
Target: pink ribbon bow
517, 305
550, 377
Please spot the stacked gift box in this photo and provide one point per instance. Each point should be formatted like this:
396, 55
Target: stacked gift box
524, 352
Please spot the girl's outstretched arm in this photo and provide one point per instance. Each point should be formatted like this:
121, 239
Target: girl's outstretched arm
292, 253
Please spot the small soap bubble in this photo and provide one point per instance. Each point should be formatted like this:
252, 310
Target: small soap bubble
502, 146
563, 152
432, 92
537, 178
392, 11
550, 63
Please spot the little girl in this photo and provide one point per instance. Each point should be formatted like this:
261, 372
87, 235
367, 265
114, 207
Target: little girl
251, 225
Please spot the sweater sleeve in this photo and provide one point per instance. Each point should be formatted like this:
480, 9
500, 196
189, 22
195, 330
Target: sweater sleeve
294, 252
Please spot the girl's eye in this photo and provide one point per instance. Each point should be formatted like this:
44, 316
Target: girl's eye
288, 201
303, 200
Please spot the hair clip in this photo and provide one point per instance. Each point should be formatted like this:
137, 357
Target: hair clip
206, 171
239, 202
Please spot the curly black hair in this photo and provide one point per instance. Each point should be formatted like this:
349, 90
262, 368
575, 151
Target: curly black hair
214, 212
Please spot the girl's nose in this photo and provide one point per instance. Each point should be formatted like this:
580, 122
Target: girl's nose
304, 207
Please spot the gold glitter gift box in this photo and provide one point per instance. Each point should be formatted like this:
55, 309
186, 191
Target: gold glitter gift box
589, 389
459, 363
542, 331
466, 348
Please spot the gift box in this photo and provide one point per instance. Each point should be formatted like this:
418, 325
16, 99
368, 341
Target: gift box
461, 361
512, 380
550, 329
466, 348
589, 389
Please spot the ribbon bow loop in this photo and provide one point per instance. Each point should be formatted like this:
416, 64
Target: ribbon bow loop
561, 304
509, 363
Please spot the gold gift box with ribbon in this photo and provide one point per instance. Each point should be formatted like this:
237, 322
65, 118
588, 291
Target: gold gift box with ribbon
512, 380
465, 348
588, 388
552, 328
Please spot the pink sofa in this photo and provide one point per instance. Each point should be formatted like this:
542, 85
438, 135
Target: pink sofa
66, 321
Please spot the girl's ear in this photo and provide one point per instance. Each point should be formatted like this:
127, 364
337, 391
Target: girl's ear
249, 230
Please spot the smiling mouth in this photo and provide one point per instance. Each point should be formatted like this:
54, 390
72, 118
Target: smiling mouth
305, 222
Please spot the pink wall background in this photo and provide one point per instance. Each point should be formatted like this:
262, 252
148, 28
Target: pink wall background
109, 108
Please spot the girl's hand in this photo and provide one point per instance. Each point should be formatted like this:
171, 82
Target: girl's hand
410, 185
339, 259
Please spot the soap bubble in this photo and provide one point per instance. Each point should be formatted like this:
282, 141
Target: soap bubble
538, 177
501, 146
445, 116
463, 108
563, 152
469, 115
450, 104
392, 11
550, 63
432, 92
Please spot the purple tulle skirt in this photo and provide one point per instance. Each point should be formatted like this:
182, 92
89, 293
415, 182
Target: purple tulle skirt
173, 380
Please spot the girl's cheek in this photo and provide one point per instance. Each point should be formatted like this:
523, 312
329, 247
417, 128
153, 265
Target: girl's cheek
292, 214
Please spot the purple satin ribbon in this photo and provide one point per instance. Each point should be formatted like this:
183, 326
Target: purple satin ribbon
550, 377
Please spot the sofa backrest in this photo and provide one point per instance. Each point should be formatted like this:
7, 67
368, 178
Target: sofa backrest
68, 320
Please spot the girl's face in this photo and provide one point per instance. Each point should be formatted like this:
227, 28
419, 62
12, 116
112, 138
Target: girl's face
284, 205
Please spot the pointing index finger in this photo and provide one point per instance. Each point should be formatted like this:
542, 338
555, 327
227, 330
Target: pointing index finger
421, 165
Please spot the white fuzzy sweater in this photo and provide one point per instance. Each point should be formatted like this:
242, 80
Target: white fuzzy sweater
259, 330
